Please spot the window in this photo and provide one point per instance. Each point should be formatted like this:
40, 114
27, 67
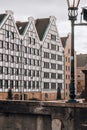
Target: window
1, 57
1, 70
38, 52
37, 73
12, 35
7, 58
12, 71
33, 84
37, 85
25, 84
60, 85
33, 73
25, 60
29, 84
68, 51
33, 40
53, 56
25, 49
25, 72
58, 48
11, 83
1, 83
48, 45
53, 85
6, 84
6, 70
1, 44
29, 72
16, 84
17, 59
11, 46
7, 45
29, 40
46, 85
16, 47
46, 65
6, 33
29, 61
46, 75
16, 71
29, 50
53, 66
46, 55
53, 37
59, 67
53, 47
53, 75
59, 58
12, 59
59, 76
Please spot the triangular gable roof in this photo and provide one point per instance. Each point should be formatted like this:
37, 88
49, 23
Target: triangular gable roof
41, 26
64, 39
2, 16
21, 26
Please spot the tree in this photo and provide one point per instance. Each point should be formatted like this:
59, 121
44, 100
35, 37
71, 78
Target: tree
10, 94
58, 93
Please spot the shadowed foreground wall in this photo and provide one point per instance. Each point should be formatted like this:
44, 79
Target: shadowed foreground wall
22, 115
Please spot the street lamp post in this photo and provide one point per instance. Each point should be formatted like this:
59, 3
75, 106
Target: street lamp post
72, 13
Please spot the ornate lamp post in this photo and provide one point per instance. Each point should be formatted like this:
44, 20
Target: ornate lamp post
72, 13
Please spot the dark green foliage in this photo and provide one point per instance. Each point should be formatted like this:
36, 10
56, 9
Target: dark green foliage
58, 93
9, 94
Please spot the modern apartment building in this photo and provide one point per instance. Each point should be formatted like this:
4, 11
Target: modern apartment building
31, 58
66, 42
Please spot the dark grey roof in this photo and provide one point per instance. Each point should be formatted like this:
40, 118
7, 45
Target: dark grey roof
81, 60
41, 26
2, 16
21, 26
64, 39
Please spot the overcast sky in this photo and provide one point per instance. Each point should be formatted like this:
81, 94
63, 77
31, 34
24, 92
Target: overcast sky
44, 8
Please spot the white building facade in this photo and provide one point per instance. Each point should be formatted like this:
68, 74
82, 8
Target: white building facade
31, 57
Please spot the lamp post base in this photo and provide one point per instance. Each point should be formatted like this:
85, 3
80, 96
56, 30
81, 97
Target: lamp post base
71, 101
